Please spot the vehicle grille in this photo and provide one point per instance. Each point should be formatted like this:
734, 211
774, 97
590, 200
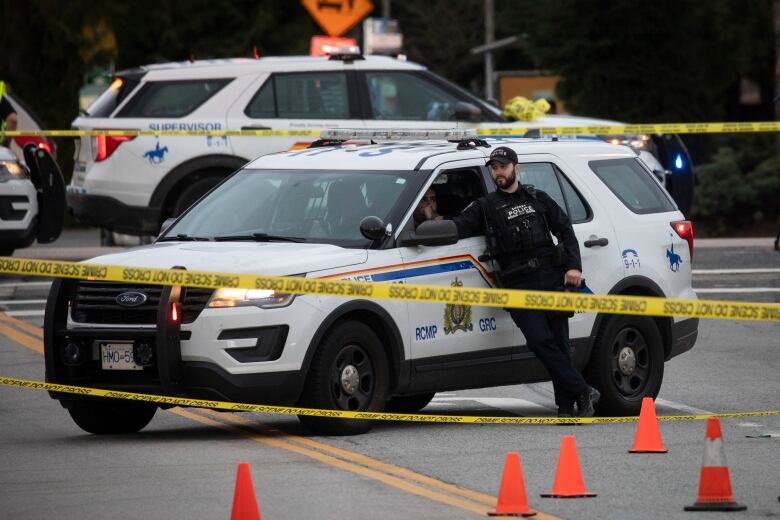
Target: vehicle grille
95, 302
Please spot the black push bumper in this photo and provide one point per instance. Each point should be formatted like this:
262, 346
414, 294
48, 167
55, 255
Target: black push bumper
109, 213
167, 375
684, 334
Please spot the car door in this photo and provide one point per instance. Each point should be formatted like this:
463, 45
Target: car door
293, 101
602, 265
453, 332
47, 178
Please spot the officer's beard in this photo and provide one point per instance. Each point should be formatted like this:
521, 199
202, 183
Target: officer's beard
505, 182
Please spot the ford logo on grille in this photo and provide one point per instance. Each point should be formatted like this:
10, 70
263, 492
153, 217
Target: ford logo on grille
131, 299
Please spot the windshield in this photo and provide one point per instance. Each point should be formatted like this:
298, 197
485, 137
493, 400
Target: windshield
321, 206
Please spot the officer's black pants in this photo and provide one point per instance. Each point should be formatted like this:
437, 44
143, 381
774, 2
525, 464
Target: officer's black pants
547, 336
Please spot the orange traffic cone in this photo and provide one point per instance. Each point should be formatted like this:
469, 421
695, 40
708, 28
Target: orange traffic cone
512, 500
714, 481
568, 477
648, 435
244, 501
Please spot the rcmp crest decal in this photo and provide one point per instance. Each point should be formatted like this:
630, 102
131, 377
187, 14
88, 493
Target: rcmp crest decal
457, 316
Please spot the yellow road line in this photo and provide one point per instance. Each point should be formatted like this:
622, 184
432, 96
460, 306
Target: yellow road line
22, 339
361, 459
291, 443
21, 324
388, 474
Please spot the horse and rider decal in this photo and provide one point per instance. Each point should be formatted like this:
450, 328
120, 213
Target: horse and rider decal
157, 155
674, 259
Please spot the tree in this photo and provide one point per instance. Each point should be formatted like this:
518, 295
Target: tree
652, 61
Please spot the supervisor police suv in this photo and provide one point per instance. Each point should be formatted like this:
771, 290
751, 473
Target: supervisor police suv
343, 211
132, 184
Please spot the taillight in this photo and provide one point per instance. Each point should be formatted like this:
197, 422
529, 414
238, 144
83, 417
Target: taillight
40, 142
104, 145
684, 229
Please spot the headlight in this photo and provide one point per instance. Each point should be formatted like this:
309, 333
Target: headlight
11, 170
262, 298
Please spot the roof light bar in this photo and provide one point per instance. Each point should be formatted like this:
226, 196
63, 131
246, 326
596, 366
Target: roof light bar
404, 134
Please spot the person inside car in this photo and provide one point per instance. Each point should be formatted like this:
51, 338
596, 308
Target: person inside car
426, 209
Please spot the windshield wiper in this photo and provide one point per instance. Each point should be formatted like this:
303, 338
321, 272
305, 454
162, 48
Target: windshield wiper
181, 237
259, 237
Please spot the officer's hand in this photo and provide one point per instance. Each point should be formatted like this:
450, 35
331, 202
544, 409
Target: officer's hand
572, 277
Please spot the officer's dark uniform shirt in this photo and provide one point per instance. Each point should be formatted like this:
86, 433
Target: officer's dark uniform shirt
518, 221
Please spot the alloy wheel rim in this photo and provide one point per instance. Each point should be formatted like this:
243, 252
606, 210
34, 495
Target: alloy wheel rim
352, 378
630, 362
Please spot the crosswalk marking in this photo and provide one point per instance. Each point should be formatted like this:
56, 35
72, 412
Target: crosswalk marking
737, 290
736, 271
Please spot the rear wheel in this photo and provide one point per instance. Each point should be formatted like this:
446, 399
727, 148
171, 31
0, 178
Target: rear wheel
111, 417
349, 372
627, 364
408, 403
192, 193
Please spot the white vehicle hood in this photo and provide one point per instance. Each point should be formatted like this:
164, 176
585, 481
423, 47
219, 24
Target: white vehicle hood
272, 258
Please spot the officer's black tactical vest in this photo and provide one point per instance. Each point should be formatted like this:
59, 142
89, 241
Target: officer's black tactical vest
521, 227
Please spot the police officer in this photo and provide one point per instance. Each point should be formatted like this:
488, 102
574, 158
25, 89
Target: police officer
519, 221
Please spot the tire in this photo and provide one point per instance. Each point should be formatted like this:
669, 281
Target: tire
111, 418
408, 403
349, 371
625, 381
107, 237
192, 193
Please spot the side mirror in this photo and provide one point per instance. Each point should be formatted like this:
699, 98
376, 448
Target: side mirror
373, 228
430, 233
467, 112
168, 223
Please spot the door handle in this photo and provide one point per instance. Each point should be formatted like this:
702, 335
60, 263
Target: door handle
256, 128
596, 242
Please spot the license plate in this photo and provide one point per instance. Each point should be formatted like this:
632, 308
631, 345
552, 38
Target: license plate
117, 356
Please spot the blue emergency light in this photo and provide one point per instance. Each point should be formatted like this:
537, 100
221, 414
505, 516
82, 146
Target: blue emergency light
678, 162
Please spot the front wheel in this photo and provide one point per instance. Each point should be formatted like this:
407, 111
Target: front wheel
626, 365
349, 372
111, 417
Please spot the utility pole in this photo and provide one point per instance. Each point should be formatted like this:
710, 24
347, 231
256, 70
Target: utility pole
776, 98
386, 9
490, 36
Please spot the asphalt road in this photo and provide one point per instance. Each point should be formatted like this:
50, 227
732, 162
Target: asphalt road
183, 465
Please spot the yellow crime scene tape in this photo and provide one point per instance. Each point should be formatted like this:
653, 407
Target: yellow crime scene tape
512, 298
343, 414
638, 128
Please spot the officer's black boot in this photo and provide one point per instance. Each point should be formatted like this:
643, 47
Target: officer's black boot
585, 402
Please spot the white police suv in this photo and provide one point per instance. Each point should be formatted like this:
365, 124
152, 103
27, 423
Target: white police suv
32, 199
131, 185
344, 212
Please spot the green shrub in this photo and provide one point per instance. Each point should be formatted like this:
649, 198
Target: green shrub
730, 199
